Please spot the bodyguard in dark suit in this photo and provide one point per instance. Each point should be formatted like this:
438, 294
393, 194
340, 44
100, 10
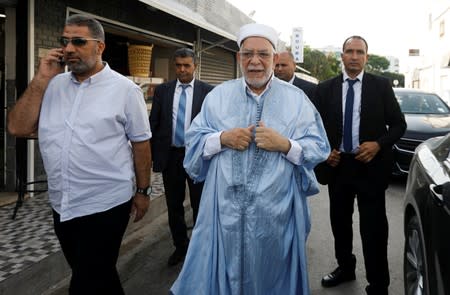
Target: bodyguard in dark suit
285, 70
363, 120
175, 105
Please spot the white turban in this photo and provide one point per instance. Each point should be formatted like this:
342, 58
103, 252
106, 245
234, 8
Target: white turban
257, 30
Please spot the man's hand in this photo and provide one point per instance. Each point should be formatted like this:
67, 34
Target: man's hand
334, 158
142, 158
268, 139
367, 151
49, 65
237, 138
140, 206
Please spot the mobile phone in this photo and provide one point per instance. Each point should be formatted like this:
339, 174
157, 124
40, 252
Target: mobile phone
62, 62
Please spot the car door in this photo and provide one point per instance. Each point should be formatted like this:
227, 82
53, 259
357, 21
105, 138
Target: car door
436, 163
440, 212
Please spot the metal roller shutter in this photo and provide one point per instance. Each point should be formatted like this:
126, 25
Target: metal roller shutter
217, 65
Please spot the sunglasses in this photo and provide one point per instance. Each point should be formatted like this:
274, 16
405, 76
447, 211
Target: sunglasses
76, 41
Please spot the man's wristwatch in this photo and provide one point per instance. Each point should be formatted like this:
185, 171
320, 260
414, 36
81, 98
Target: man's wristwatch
144, 191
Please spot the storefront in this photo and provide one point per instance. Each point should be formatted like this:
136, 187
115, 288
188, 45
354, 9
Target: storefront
163, 26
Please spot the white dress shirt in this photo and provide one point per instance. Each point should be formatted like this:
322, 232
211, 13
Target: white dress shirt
84, 134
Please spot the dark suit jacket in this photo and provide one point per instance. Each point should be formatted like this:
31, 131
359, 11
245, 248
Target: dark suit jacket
161, 118
308, 87
381, 120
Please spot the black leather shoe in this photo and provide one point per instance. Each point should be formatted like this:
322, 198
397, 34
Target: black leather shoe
337, 277
177, 256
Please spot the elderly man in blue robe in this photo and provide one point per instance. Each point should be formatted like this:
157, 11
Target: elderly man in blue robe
255, 144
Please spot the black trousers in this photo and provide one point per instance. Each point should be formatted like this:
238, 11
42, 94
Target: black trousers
174, 178
352, 181
91, 246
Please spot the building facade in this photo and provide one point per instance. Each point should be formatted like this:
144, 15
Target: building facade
430, 69
31, 27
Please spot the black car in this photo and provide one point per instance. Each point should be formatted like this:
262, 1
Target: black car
427, 115
427, 220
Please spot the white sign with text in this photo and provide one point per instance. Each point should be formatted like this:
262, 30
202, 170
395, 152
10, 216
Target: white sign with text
297, 44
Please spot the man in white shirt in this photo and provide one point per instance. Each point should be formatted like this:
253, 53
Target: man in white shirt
86, 119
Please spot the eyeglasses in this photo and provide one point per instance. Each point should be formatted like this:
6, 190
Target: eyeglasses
76, 41
250, 54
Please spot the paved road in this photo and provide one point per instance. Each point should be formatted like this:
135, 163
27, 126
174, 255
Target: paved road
320, 244
150, 274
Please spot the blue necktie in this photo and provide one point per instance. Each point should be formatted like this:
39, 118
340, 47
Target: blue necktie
179, 130
348, 117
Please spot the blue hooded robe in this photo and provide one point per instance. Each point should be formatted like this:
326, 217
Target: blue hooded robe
253, 221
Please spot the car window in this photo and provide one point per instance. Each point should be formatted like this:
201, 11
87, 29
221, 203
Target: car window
421, 103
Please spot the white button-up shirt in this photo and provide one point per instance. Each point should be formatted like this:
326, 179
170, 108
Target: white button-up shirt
84, 134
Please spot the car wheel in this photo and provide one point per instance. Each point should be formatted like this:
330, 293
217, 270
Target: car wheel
414, 272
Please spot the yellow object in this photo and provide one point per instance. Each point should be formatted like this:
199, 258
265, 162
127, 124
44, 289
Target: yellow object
139, 59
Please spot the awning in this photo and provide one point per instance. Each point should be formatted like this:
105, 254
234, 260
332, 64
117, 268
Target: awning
302, 69
185, 13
